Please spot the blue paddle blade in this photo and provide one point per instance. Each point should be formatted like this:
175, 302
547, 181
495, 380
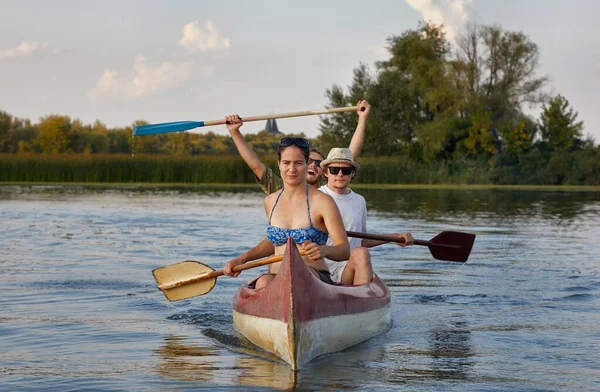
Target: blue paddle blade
154, 129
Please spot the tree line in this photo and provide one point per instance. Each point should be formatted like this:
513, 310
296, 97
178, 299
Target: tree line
436, 104
59, 134
465, 103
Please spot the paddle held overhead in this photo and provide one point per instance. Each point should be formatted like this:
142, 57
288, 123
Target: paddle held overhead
179, 126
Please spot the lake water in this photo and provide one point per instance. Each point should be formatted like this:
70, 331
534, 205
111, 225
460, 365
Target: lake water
80, 311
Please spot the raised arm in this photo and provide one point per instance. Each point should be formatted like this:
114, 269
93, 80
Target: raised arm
358, 138
234, 122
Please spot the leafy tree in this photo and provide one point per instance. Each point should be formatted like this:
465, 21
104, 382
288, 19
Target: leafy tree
55, 134
518, 135
25, 136
410, 89
443, 139
120, 140
510, 61
415, 84
587, 167
337, 129
496, 72
152, 144
559, 127
264, 143
5, 132
178, 143
481, 138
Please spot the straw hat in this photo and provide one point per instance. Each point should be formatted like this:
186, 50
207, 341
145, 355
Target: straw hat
340, 155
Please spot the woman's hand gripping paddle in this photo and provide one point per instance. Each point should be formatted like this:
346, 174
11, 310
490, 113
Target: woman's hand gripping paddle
192, 278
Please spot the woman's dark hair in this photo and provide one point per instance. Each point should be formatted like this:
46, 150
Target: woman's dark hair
299, 142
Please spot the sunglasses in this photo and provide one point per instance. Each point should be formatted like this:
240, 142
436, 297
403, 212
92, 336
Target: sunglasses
296, 141
317, 162
334, 170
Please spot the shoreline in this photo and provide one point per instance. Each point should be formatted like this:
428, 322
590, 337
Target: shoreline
573, 188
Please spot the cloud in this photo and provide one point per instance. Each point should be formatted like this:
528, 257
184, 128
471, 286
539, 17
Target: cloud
451, 13
26, 48
145, 80
195, 39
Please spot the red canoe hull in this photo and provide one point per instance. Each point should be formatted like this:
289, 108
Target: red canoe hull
298, 317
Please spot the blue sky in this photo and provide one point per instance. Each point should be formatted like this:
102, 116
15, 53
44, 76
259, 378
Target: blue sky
119, 61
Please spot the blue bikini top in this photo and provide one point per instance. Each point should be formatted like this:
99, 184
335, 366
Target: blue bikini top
279, 236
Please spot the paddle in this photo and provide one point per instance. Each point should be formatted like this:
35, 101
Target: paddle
448, 245
192, 278
153, 129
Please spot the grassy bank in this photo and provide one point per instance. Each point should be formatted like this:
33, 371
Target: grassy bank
209, 169
230, 170
123, 169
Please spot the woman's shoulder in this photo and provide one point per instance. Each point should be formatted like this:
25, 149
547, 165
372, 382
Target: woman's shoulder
270, 198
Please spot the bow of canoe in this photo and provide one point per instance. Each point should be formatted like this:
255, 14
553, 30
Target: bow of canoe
298, 317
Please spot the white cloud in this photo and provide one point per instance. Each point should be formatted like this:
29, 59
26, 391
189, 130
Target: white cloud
26, 48
451, 13
143, 81
195, 39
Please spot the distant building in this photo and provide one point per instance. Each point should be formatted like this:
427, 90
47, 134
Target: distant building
272, 128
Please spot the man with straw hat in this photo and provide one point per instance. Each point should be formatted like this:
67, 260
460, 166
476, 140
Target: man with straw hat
340, 169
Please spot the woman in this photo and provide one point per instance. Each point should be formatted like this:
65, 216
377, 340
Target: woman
301, 212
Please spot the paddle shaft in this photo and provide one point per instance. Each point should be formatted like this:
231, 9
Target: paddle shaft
287, 115
389, 238
180, 126
217, 273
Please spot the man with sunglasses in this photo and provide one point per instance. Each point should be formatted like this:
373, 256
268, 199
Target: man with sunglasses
340, 169
271, 182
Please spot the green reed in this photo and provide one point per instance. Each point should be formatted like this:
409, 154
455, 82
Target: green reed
225, 169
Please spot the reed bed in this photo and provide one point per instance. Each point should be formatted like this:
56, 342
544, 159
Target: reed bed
225, 169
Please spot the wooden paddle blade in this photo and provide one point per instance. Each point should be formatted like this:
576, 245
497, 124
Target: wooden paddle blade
172, 275
452, 246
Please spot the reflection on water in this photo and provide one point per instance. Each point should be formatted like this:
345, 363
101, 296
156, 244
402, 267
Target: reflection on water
259, 372
445, 355
503, 203
424, 202
451, 350
185, 361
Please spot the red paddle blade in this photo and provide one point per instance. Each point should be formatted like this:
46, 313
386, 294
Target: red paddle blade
452, 246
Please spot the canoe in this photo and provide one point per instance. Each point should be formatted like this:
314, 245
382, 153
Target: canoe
298, 317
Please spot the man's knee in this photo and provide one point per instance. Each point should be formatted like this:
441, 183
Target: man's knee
361, 257
264, 280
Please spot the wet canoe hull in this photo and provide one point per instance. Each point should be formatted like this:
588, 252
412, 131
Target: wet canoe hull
298, 318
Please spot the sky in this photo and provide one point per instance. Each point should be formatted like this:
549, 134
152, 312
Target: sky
161, 61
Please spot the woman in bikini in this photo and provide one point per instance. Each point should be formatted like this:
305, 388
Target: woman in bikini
302, 213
